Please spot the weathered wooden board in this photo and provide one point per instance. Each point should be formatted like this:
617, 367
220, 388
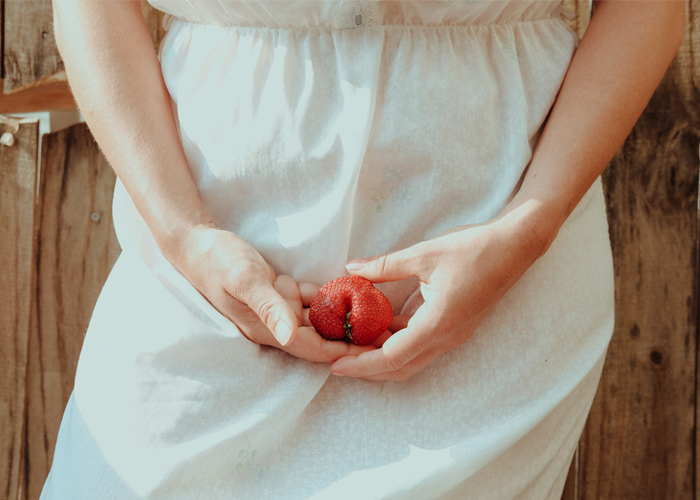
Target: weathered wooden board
571, 486
77, 249
30, 55
688, 82
45, 97
18, 171
639, 442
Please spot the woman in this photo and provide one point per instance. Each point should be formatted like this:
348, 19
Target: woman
449, 150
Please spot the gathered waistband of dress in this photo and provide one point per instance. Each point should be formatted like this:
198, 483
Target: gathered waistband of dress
168, 19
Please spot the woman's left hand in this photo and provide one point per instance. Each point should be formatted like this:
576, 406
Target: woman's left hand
463, 273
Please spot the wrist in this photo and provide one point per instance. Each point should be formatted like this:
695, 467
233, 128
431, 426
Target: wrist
174, 234
534, 223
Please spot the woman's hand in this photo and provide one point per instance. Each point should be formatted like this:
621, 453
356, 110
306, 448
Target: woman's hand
619, 63
241, 285
463, 273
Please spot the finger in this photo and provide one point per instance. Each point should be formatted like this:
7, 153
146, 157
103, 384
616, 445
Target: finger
273, 309
381, 339
242, 316
409, 369
308, 292
288, 288
397, 351
298, 311
311, 346
305, 317
399, 322
392, 266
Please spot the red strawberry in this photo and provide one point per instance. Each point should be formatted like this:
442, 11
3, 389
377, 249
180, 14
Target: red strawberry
350, 308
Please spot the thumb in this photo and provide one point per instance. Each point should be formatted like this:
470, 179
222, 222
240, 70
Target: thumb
274, 311
388, 267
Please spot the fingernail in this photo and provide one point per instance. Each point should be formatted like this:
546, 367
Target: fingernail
355, 265
338, 374
282, 332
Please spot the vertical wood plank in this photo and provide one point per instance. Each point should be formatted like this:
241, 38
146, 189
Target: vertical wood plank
639, 442
571, 486
18, 170
689, 87
30, 54
77, 249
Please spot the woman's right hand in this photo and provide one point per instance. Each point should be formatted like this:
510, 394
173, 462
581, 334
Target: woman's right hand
118, 85
241, 285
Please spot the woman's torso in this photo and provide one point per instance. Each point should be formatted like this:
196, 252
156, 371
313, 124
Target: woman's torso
342, 14
319, 144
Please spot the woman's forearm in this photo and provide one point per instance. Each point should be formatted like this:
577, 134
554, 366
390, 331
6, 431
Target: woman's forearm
621, 60
115, 77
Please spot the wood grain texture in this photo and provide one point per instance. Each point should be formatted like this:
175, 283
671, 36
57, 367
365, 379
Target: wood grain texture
689, 88
571, 486
43, 86
18, 171
45, 97
30, 54
639, 442
77, 249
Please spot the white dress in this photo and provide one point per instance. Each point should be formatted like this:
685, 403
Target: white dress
321, 131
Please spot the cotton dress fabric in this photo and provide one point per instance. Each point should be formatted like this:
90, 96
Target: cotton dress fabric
321, 131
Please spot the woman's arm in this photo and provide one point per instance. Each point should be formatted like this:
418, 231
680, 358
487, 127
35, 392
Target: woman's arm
117, 82
621, 60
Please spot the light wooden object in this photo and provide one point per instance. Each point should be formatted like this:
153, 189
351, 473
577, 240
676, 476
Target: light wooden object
46, 97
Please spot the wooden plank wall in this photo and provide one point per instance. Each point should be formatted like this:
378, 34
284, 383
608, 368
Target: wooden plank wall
35, 78
18, 174
30, 55
56, 250
77, 247
47, 97
640, 439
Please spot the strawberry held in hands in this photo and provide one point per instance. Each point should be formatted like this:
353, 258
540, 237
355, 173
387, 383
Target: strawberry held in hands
350, 308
